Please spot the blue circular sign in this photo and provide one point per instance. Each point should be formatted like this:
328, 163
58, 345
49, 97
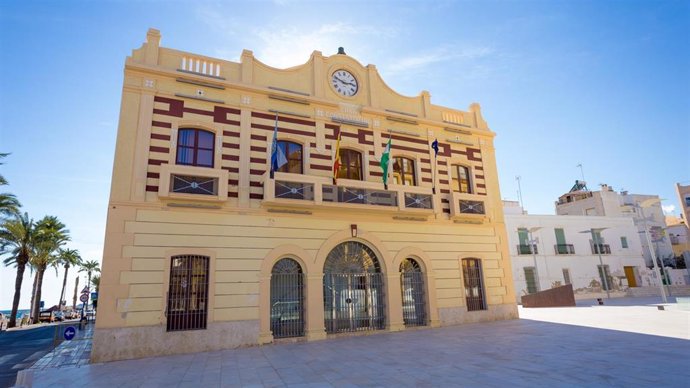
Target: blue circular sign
70, 332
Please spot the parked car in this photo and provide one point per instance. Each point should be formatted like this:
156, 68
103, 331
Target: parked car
59, 316
46, 316
71, 314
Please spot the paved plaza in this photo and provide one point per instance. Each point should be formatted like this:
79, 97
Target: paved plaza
625, 343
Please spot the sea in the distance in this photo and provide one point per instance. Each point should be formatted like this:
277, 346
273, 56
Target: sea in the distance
19, 312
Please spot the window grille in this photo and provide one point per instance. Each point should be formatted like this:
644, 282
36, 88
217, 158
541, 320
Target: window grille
418, 201
413, 293
474, 288
287, 299
187, 293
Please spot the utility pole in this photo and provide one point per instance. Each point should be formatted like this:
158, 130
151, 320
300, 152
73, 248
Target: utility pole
522, 206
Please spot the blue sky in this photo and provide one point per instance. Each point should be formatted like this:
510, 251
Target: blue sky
602, 83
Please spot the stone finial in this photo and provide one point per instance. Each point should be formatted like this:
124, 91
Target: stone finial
153, 40
153, 36
341, 51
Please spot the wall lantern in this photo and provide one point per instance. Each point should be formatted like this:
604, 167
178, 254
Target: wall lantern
353, 229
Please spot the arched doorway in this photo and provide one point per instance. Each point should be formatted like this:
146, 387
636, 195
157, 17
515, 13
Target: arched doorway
413, 293
287, 299
353, 291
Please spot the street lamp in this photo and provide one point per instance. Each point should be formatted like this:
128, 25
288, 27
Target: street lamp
647, 203
594, 232
533, 245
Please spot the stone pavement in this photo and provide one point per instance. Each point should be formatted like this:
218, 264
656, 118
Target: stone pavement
531, 351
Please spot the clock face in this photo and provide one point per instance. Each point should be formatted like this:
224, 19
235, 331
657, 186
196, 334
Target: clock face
344, 83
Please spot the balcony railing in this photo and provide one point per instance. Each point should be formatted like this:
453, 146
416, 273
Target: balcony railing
523, 249
601, 249
564, 249
306, 191
467, 206
361, 196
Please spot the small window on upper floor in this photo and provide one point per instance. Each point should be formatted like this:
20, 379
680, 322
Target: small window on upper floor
461, 179
624, 242
687, 201
293, 154
404, 171
195, 147
350, 165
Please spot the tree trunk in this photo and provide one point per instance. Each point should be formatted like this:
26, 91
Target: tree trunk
64, 284
32, 311
39, 284
74, 299
21, 266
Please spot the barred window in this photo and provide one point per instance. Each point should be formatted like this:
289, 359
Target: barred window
188, 293
474, 289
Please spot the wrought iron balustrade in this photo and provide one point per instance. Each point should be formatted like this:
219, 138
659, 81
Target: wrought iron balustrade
342, 194
564, 249
188, 184
294, 190
419, 201
524, 249
471, 207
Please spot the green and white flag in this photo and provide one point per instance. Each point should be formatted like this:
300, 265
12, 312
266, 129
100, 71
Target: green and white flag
384, 162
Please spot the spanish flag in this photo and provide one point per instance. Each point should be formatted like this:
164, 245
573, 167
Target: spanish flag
336, 163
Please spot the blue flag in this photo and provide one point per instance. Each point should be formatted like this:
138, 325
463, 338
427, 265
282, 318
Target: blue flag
277, 155
434, 145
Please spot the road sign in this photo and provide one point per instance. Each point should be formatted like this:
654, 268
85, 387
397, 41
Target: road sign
94, 295
85, 290
84, 298
70, 332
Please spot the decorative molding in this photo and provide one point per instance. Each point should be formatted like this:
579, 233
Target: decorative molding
403, 132
289, 211
193, 205
149, 83
199, 83
289, 99
199, 98
200, 74
246, 100
401, 113
289, 91
282, 112
464, 132
402, 120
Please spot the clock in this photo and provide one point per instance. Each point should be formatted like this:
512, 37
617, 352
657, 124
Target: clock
344, 83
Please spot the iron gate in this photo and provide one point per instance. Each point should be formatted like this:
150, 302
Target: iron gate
287, 299
413, 295
353, 302
353, 289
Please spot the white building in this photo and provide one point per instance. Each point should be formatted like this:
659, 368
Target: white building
581, 202
553, 250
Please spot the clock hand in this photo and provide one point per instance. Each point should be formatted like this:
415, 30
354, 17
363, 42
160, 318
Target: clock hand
346, 83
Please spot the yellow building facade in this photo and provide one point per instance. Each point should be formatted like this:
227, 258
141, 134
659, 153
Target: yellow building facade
207, 248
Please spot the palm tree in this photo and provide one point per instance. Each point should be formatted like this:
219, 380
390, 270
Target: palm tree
17, 238
96, 282
68, 258
50, 236
89, 267
9, 205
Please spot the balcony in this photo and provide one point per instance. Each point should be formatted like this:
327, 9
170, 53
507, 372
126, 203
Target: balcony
530, 249
468, 207
306, 192
601, 249
564, 249
193, 183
